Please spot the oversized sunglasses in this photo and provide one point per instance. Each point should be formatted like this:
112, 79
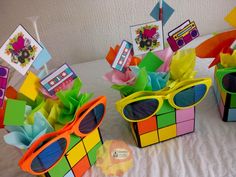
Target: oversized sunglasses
143, 105
226, 78
50, 148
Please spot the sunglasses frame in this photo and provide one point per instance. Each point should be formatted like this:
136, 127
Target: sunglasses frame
221, 72
70, 128
166, 93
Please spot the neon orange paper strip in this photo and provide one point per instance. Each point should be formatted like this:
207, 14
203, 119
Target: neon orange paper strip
213, 46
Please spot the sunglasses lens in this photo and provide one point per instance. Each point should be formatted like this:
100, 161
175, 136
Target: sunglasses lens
140, 109
49, 156
229, 82
190, 96
92, 119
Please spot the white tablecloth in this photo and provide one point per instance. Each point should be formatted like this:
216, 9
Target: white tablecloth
208, 152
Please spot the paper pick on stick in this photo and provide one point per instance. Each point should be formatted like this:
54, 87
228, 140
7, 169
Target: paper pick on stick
34, 19
20, 50
167, 11
231, 17
42, 58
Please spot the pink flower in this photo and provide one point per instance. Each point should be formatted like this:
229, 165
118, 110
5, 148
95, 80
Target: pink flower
149, 33
19, 44
117, 77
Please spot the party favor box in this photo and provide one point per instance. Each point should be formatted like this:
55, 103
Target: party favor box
226, 101
168, 123
80, 156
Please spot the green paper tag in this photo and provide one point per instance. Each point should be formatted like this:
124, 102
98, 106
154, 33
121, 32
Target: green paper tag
151, 62
15, 112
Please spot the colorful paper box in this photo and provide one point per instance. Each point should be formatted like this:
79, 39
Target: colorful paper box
80, 156
226, 102
168, 123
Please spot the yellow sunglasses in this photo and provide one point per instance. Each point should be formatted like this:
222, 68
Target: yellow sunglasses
144, 104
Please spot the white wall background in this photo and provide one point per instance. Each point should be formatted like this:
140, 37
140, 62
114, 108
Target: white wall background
83, 30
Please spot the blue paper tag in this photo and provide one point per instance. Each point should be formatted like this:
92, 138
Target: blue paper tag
42, 58
167, 12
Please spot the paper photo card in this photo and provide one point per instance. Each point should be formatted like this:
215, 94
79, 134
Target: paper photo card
182, 35
58, 79
20, 50
147, 37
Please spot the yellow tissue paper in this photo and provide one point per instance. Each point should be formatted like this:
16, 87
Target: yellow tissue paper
29, 88
182, 65
228, 60
231, 17
49, 109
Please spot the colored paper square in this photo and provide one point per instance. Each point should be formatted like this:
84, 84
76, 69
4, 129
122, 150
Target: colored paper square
232, 115
3, 83
185, 114
42, 58
4, 72
167, 132
185, 127
233, 101
11, 93
223, 94
165, 120
166, 9
62, 167
2, 112
218, 97
91, 140
147, 37
166, 107
20, 50
230, 18
217, 94
29, 88
1, 102
73, 141
69, 174
92, 154
221, 108
14, 113
149, 138
135, 135
76, 154
147, 125
151, 62
81, 167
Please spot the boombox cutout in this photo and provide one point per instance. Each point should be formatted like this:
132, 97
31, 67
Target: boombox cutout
182, 35
58, 79
123, 57
4, 71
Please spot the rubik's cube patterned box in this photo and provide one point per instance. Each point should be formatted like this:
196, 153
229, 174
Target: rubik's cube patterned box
226, 102
80, 156
168, 123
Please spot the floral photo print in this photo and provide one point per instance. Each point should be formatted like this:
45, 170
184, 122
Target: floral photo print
147, 37
20, 50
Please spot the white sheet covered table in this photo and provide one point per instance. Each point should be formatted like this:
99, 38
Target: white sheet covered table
208, 152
